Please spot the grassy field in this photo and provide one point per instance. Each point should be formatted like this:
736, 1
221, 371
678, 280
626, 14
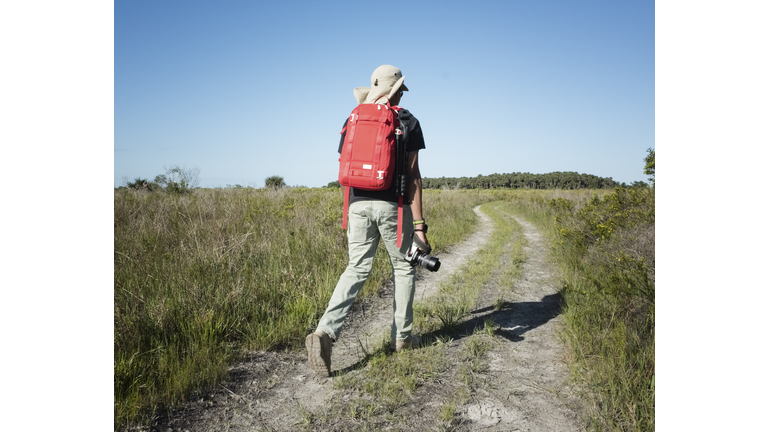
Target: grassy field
199, 278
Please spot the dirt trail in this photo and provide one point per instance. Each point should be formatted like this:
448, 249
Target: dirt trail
531, 391
273, 391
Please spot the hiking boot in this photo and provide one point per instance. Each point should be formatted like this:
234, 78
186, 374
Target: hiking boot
410, 342
319, 353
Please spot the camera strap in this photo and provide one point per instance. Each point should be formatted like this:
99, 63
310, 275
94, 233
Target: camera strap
421, 245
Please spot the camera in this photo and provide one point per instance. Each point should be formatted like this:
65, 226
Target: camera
417, 256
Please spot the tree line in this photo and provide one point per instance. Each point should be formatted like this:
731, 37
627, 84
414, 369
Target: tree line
517, 180
553, 180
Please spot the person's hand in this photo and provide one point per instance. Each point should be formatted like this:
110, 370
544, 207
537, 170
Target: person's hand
421, 236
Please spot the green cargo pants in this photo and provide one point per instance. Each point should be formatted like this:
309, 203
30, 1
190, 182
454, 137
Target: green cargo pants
368, 221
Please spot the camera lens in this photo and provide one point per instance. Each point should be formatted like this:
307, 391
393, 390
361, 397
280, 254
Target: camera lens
429, 262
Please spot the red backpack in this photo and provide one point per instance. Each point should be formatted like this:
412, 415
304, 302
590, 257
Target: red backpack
373, 155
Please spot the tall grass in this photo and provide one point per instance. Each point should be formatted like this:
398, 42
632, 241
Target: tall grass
604, 244
201, 277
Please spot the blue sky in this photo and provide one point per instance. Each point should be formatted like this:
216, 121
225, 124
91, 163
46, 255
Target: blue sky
246, 90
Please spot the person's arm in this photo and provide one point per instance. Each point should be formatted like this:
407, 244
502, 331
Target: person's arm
414, 191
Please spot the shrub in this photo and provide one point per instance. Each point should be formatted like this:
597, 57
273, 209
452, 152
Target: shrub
274, 182
141, 184
161, 180
181, 180
650, 165
177, 188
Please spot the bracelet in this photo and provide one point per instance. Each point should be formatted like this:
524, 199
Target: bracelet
420, 221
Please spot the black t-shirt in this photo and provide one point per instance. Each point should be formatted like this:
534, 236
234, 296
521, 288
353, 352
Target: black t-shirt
414, 141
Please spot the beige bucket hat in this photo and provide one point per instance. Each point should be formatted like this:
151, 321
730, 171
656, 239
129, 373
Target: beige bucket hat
386, 80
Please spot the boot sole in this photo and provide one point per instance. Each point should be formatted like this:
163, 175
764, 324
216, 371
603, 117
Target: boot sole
315, 356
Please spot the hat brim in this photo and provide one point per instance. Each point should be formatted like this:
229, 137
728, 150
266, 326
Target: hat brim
399, 85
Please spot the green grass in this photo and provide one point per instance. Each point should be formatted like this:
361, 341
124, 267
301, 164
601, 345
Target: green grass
200, 277
390, 379
448, 411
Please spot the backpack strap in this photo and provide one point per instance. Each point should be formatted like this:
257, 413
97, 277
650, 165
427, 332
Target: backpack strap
346, 208
400, 221
400, 175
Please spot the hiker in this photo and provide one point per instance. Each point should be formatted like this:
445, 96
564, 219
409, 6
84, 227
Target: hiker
373, 215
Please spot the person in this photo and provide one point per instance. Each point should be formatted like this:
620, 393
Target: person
373, 216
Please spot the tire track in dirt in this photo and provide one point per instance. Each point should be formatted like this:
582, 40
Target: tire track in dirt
531, 388
272, 390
